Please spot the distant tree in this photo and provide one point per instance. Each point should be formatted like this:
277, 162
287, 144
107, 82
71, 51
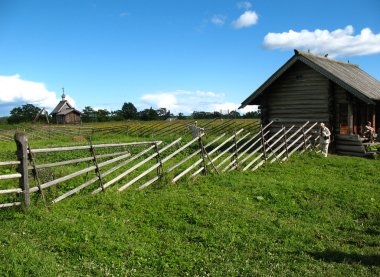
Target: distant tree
4, 119
102, 115
216, 115
25, 113
163, 113
116, 115
129, 111
234, 114
255, 114
201, 115
88, 114
181, 116
148, 114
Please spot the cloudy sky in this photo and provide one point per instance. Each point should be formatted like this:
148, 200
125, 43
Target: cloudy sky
184, 55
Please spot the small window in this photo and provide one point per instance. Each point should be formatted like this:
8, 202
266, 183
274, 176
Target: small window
299, 77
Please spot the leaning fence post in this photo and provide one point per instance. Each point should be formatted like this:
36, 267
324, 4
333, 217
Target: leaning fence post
304, 138
286, 142
158, 158
236, 153
97, 168
35, 173
263, 142
203, 154
22, 154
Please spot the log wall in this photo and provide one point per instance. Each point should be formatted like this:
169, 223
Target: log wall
300, 94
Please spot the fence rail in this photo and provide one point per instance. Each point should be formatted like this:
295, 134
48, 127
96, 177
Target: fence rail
147, 162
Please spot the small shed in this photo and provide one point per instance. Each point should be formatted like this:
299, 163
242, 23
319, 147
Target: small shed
64, 113
319, 89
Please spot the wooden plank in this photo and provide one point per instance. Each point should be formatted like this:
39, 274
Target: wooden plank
21, 140
176, 178
10, 163
355, 154
194, 153
109, 183
93, 180
232, 146
8, 191
274, 151
350, 148
217, 157
246, 150
291, 137
348, 138
297, 147
255, 151
6, 205
74, 161
10, 176
157, 165
297, 139
348, 142
77, 173
69, 148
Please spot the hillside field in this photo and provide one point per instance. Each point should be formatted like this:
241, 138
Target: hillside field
308, 216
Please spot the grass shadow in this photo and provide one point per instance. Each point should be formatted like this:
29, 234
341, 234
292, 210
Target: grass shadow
340, 257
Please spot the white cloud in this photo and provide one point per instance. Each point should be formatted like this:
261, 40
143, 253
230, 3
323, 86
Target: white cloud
189, 101
14, 92
244, 5
218, 20
247, 19
340, 42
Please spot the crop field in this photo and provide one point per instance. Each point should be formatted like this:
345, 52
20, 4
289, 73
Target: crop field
149, 129
307, 216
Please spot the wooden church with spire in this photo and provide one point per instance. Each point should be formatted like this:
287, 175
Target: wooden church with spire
64, 113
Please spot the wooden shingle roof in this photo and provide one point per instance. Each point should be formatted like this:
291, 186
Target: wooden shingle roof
64, 108
348, 76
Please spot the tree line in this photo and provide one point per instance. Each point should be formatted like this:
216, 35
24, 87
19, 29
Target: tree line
26, 113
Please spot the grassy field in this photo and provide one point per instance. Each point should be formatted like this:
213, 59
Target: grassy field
308, 216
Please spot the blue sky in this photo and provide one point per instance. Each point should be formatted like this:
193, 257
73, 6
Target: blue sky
183, 55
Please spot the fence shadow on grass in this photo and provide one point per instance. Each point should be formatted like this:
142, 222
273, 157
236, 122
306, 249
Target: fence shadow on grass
348, 258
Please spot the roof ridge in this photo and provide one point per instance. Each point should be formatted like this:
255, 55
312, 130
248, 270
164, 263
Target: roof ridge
305, 54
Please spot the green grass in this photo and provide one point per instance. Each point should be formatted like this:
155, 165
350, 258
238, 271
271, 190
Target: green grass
308, 216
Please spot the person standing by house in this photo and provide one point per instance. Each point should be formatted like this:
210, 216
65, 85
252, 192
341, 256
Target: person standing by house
369, 132
324, 138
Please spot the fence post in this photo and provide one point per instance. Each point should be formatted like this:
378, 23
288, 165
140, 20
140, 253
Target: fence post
159, 169
236, 154
97, 169
35, 173
304, 139
263, 142
22, 154
203, 155
285, 142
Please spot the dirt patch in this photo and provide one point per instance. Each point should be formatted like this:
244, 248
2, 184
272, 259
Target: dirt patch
79, 138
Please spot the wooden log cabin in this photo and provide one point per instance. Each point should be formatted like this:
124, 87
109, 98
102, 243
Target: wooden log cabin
64, 113
320, 89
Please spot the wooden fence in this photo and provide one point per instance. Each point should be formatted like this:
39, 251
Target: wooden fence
96, 168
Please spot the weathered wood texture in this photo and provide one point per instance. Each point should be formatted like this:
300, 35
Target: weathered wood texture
302, 94
350, 145
21, 140
299, 94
